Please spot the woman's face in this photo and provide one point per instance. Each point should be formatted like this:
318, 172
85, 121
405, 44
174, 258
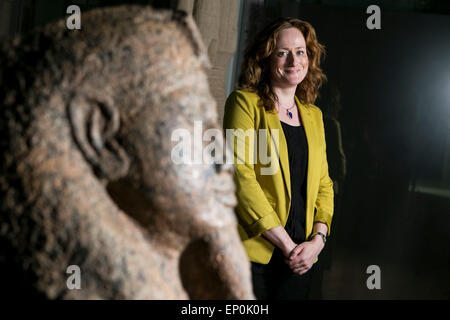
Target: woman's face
289, 61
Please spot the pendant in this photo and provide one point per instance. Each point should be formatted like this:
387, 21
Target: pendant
289, 114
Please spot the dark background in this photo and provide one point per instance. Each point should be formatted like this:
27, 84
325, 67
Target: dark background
393, 203
393, 207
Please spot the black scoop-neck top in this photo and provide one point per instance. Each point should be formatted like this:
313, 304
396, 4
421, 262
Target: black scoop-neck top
297, 146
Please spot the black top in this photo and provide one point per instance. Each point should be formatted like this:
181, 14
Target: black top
298, 163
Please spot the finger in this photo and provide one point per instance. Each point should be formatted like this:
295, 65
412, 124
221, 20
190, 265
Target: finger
301, 271
293, 262
304, 270
296, 263
301, 267
301, 262
293, 267
298, 269
295, 252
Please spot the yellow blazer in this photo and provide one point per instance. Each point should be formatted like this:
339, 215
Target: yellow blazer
264, 199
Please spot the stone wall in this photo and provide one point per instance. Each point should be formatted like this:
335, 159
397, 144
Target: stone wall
218, 24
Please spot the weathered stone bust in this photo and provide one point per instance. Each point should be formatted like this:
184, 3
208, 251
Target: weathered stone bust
86, 176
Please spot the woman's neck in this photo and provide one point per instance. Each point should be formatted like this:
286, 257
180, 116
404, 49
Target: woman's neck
285, 95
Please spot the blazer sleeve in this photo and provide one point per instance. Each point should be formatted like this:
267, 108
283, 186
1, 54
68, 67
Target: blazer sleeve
254, 211
325, 196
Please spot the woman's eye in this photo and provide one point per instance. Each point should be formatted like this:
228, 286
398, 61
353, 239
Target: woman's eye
300, 52
282, 53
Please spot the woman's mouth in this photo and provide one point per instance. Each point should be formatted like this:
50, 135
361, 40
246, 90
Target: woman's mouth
293, 70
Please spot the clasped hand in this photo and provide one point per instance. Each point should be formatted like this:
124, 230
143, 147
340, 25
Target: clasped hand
302, 257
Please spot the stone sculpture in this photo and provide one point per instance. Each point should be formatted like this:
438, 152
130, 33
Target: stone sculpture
86, 175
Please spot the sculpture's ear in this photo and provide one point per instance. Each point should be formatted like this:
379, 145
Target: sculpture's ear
95, 125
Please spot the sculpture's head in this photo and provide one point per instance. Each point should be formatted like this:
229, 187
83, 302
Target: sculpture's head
139, 85
98, 107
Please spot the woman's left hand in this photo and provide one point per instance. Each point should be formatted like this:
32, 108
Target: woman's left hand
303, 255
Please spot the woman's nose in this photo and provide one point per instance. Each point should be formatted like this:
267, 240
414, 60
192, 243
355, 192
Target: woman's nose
292, 59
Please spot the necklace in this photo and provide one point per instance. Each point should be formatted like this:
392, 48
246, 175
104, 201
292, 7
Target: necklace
287, 110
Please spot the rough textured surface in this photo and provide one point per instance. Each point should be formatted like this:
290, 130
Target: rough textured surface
86, 176
217, 21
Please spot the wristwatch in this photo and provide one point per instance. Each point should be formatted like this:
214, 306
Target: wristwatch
324, 238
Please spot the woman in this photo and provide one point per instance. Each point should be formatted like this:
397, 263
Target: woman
284, 217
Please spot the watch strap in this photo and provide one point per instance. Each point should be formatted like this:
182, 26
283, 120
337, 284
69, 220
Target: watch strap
324, 237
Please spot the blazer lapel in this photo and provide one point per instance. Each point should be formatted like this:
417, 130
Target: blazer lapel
273, 123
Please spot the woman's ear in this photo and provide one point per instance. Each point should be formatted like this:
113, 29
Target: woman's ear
95, 125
